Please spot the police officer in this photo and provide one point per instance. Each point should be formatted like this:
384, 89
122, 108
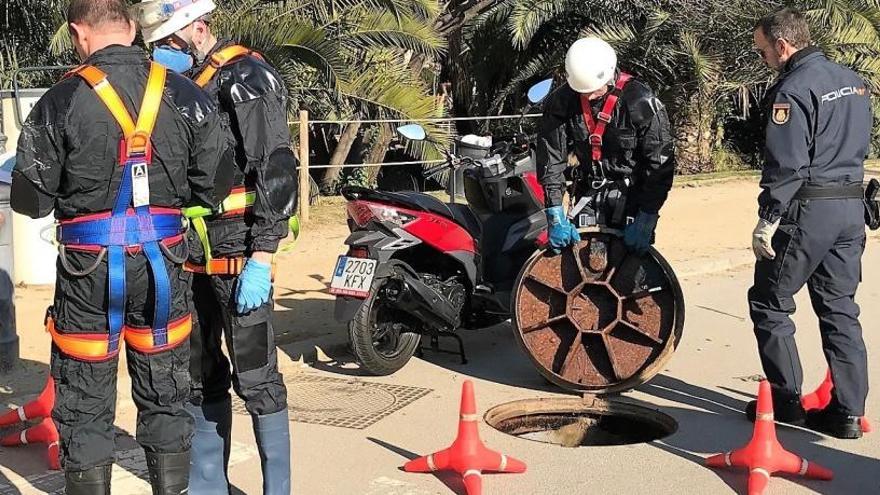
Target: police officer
233, 247
811, 227
623, 143
116, 149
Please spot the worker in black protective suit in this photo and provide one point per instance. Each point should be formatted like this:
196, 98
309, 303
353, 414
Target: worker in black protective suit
116, 149
811, 225
623, 143
232, 247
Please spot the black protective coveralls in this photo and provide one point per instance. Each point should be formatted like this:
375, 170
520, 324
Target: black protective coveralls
252, 96
817, 137
68, 161
638, 144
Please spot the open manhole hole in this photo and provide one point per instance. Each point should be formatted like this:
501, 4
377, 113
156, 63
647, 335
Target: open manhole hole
578, 423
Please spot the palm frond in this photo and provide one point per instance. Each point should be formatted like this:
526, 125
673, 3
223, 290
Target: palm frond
382, 30
528, 16
539, 66
60, 42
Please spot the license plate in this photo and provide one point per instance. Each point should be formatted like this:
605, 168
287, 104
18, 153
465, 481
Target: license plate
353, 276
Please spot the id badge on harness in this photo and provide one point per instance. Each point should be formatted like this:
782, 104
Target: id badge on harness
140, 182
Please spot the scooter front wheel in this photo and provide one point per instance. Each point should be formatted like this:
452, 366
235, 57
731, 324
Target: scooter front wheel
383, 338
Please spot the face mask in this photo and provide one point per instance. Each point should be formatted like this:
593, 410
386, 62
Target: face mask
175, 60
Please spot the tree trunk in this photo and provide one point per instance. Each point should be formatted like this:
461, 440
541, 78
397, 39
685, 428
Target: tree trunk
696, 135
343, 147
378, 151
460, 12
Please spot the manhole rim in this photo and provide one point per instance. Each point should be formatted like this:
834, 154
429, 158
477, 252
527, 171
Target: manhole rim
596, 406
642, 376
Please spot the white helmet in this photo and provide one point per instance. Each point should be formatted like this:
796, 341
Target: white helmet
161, 18
590, 63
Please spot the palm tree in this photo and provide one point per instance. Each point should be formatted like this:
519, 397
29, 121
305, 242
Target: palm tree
347, 60
26, 26
695, 54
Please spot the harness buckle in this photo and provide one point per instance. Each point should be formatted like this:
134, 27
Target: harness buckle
595, 140
138, 144
604, 117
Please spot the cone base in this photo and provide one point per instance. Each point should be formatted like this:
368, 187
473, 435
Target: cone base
764, 455
467, 455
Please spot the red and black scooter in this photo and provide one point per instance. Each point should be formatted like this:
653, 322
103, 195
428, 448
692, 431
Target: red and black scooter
418, 266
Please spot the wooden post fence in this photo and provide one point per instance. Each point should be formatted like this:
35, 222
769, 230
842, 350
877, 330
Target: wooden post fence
304, 186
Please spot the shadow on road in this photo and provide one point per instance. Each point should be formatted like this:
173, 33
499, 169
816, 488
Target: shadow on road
448, 478
713, 422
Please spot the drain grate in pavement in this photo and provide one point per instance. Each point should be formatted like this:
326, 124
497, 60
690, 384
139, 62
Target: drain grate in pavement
346, 403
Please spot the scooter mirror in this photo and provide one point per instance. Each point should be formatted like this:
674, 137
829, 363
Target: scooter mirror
539, 91
414, 132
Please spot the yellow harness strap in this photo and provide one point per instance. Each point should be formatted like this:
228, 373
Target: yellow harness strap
137, 136
218, 60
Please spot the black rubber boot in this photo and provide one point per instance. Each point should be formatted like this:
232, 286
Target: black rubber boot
835, 423
169, 473
786, 409
95, 481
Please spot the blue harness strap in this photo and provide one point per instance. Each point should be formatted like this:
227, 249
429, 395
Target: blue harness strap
97, 232
125, 227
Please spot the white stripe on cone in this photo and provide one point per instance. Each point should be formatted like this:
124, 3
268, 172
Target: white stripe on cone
762, 472
805, 465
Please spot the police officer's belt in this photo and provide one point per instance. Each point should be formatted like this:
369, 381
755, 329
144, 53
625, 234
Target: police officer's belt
854, 191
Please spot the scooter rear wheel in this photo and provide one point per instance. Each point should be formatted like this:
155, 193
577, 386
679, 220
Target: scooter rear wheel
381, 338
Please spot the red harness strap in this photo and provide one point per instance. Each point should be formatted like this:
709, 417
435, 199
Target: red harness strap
596, 126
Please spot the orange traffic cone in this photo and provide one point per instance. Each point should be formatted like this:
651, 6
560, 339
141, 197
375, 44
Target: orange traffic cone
821, 397
35, 409
44, 432
467, 455
54, 453
764, 455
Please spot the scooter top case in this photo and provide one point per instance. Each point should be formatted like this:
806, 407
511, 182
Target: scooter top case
596, 318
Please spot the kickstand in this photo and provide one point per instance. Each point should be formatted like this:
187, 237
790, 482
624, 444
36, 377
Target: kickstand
435, 346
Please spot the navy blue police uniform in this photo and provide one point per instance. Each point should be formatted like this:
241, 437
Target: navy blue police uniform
817, 137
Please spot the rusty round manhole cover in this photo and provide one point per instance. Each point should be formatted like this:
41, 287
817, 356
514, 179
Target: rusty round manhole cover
598, 318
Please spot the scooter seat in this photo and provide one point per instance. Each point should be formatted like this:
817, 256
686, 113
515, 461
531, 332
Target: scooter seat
463, 215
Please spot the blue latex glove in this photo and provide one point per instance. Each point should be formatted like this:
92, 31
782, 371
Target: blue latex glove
562, 232
254, 286
637, 235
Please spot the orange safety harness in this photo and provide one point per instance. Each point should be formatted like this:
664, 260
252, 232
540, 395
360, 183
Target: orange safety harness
220, 58
131, 224
242, 199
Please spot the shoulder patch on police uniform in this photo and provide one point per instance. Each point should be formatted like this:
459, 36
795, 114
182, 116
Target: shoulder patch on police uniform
781, 113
